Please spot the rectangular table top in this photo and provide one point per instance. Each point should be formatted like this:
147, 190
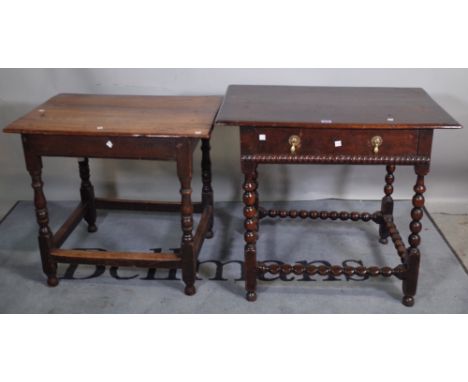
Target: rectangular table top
116, 115
328, 107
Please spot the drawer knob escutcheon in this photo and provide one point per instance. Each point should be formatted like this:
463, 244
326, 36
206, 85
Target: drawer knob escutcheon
376, 142
295, 143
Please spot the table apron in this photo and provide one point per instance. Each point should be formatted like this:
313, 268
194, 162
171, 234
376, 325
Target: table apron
107, 147
335, 146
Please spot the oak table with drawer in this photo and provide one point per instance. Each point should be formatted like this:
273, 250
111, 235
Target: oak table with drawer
125, 127
335, 125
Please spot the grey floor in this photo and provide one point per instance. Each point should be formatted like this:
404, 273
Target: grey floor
88, 289
455, 228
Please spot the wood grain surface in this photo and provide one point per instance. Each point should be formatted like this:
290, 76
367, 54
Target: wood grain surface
116, 115
328, 107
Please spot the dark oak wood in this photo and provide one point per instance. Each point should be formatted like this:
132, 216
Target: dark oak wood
319, 125
207, 190
125, 127
87, 195
338, 159
203, 229
328, 141
49, 266
121, 115
184, 172
332, 107
137, 259
395, 236
104, 147
413, 255
387, 203
323, 215
250, 225
140, 205
334, 270
70, 224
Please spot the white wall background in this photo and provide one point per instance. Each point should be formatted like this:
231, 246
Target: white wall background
23, 89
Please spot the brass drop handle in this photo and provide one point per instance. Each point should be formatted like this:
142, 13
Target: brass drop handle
295, 143
376, 142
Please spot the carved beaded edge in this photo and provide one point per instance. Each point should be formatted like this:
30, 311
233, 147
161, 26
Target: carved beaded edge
343, 159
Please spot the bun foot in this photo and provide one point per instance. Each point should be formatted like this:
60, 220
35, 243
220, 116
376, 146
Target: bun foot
209, 235
92, 228
251, 296
190, 290
408, 300
52, 281
383, 240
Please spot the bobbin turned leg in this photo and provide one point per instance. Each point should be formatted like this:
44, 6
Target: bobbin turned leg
49, 266
184, 172
251, 225
257, 202
413, 254
387, 203
207, 190
87, 195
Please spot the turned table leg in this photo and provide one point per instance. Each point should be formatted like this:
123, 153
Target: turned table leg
258, 209
251, 227
184, 172
387, 203
413, 254
87, 195
49, 266
207, 190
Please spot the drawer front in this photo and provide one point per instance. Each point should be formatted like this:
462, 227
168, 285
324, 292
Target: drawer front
105, 147
280, 141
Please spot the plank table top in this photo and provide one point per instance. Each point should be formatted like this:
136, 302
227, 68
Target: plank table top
332, 107
119, 115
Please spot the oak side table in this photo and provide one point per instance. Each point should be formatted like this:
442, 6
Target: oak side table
125, 127
326, 125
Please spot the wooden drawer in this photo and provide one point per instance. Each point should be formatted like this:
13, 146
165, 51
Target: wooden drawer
105, 147
275, 140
